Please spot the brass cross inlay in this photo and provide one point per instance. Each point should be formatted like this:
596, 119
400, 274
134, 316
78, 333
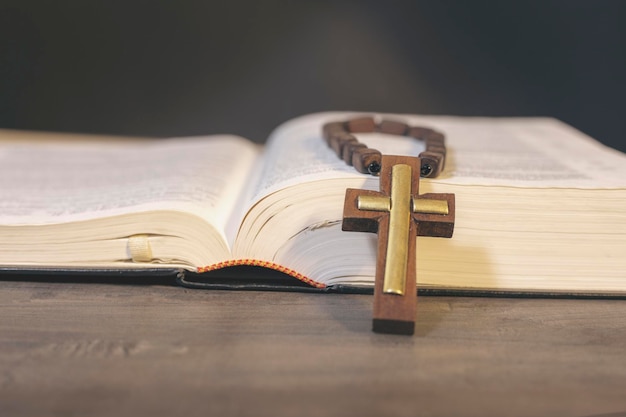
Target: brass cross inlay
399, 205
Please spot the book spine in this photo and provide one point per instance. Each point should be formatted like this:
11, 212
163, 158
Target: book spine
263, 264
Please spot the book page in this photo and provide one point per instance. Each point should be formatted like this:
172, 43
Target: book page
517, 152
528, 152
539, 205
296, 152
43, 182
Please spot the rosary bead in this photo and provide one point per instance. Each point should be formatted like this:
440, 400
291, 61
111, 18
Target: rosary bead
330, 129
430, 136
436, 148
392, 127
363, 158
349, 149
361, 125
436, 137
374, 168
339, 137
434, 160
420, 133
339, 140
425, 170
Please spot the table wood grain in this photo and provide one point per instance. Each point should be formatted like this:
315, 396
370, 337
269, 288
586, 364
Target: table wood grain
76, 349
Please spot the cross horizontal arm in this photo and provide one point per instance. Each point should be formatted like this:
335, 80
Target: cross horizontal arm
373, 203
432, 224
355, 220
429, 206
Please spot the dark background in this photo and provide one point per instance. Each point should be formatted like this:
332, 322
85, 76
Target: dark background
199, 67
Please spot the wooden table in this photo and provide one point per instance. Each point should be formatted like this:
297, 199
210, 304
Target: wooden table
77, 349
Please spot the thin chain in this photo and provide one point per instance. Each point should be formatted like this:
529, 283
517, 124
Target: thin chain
340, 137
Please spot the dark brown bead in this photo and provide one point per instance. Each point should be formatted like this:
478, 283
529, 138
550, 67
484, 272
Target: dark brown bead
364, 159
349, 149
436, 137
339, 137
332, 128
392, 127
420, 133
339, 140
432, 164
430, 147
361, 125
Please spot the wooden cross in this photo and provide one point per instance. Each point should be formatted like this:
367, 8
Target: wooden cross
395, 213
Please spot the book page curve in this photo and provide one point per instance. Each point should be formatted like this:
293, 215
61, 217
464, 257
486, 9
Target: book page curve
264, 264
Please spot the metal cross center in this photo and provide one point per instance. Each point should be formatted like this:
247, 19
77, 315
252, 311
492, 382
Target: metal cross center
399, 205
395, 213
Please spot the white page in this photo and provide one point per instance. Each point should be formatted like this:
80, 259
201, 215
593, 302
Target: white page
68, 181
518, 152
296, 152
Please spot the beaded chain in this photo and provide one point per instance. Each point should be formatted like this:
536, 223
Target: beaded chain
340, 137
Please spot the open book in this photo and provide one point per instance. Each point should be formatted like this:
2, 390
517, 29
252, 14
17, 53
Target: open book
540, 206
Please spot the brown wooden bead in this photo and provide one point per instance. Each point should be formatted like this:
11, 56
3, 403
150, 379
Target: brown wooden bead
332, 128
436, 137
392, 127
339, 137
335, 136
432, 164
338, 141
420, 133
349, 149
343, 144
364, 159
435, 148
428, 135
361, 125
